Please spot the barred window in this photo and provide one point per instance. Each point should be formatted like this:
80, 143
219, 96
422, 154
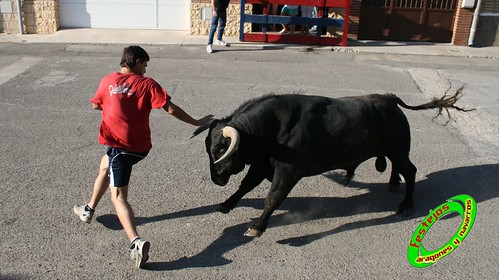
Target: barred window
416, 4
490, 6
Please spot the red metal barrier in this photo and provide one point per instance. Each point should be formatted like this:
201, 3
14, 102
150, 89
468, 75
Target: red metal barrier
321, 21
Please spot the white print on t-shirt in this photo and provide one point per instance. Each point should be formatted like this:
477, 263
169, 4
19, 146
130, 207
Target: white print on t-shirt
120, 89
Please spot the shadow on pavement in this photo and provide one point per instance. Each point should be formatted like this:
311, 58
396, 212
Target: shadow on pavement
212, 255
111, 221
431, 192
475, 181
369, 43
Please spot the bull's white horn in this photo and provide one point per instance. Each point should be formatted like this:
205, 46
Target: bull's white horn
229, 132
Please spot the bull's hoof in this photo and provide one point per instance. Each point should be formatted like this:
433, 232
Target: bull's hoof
251, 232
223, 209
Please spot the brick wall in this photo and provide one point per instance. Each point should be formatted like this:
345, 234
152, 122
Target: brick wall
198, 26
462, 25
38, 16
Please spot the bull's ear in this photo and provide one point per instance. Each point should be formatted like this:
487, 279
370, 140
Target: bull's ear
201, 128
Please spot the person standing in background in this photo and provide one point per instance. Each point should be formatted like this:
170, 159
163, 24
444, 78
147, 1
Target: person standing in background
289, 10
307, 12
218, 21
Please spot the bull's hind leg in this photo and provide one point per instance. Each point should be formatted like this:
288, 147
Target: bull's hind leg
394, 182
408, 170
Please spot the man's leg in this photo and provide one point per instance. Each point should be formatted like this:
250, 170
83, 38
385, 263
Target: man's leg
101, 183
139, 248
211, 35
124, 211
222, 14
213, 28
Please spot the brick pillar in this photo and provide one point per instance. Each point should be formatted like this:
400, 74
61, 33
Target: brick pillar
41, 16
462, 25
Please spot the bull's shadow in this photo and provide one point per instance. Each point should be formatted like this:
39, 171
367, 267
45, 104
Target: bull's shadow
481, 182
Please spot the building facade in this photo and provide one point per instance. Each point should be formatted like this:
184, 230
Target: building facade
453, 21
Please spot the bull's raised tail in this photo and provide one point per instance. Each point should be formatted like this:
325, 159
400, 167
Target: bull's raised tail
443, 103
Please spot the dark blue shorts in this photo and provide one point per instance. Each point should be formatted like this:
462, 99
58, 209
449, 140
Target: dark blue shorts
120, 165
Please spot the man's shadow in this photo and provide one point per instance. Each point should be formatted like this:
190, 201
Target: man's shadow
480, 182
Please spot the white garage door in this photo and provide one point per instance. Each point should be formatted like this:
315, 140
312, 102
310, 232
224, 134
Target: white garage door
131, 14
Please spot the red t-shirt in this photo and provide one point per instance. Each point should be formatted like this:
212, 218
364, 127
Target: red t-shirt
126, 101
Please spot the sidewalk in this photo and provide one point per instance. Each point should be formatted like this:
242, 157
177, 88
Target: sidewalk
168, 37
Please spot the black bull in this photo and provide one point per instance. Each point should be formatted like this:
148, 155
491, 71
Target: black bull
287, 137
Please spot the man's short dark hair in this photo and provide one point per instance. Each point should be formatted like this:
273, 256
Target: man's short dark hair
131, 54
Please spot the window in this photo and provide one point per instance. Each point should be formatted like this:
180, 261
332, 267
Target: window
490, 6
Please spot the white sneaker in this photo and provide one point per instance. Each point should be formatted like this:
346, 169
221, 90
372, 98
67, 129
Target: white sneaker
209, 49
222, 43
140, 252
84, 215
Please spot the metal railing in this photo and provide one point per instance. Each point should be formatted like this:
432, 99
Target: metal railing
321, 21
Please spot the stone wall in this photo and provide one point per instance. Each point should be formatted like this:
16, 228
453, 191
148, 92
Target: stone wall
41, 16
38, 17
200, 26
8, 21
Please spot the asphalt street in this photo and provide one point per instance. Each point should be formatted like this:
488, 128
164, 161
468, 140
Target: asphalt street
323, 230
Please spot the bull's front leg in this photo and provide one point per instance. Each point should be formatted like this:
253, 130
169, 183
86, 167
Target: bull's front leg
285, 178
256, 174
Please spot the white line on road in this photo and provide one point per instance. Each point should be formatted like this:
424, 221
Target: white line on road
11, 71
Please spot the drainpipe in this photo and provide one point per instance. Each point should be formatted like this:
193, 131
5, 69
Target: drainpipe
20, 16
474, 23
